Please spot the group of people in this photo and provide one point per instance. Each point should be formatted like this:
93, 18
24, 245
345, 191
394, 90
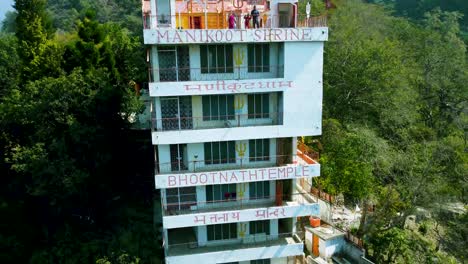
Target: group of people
254, 16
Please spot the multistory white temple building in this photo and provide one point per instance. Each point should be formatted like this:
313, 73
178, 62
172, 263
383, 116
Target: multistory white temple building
228, 103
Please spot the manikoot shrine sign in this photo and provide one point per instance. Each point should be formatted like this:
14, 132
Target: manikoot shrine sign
173, 36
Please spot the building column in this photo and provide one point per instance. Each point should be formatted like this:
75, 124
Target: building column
274, 228
202, 236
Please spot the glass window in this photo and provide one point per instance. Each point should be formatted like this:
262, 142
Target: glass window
216, 59
260, 261
218, 107
259, 190
223, 192
258, 57
258, 105
222, 231
258, 227
220, 152
181, 198
259, 150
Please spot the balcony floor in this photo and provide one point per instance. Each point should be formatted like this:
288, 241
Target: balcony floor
217, 207
190, 249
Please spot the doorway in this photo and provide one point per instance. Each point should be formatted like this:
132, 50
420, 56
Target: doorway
195, 22
286, 15
163, 12
283, 151
176, 113
174, 63
179, 157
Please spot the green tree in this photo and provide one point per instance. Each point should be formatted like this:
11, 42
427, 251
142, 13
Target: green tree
40, 55
442, 56
9, 22
9, 63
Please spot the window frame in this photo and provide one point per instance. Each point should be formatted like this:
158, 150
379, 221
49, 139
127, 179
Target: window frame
213, 152
258, 57
218, 107
259, 150
259, 227
258, 105
260, 261
217, 232
181, 197
217, 193
210, 63
255, 194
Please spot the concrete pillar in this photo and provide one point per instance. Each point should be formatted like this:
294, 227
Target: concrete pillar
274, 228
202, 237
242, 230
201, 196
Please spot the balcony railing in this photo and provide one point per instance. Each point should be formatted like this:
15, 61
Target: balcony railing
180, 74
220, 21
306, 153
224, 164
189, 205
219, 121
248, 241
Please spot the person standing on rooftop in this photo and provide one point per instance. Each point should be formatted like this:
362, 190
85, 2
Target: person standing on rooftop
232, 21
255, 14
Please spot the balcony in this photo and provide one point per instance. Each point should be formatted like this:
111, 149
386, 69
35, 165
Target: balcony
196, 166
226, 121
243, 249
232, 202
184, 21
285, 210
211, 25
236, 170
186, 74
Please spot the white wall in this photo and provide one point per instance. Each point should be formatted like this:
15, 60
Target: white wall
303, 104
302, 100
334, 246
295, 128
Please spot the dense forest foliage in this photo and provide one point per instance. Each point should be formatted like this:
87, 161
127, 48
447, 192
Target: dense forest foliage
73, 184
395, 126
394, 130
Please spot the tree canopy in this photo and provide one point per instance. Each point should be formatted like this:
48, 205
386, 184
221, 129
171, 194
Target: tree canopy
67, 153
395, 124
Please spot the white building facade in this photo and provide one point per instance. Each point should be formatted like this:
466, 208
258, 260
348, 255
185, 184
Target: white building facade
227, 107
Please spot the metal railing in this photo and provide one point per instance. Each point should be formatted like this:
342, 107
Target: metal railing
306, 153
224, 164
237, 243
216, 121
220, 21
189, 205
228, 72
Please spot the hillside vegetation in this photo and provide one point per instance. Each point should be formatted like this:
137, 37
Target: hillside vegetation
395, 128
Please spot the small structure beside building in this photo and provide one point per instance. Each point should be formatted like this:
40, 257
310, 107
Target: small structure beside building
327, 244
